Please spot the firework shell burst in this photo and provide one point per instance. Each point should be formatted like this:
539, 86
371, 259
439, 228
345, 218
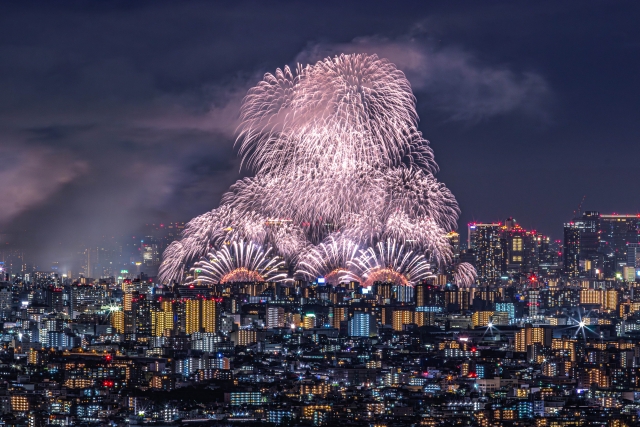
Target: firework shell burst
338, 160
389, 261
330, 259
238, 262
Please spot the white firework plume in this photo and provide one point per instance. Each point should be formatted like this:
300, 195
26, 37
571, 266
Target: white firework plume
340, 113
418, 193
319, 203
364, 228
330, 259
390, 262
335, 149
209, 230
238, 262
289, 239
422, 234
464, 275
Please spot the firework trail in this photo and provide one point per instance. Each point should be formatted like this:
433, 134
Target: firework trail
331, 260
238, 262
464, 275
390, 262
337, 157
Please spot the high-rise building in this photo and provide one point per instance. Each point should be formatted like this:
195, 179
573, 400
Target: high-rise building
361, 324
582, 245
210, 315
485, 240
275, 317
429, 297
340, 314
616, 233
530, 335
633, 255
161, 322
117, 321
401, 317
192, 316
454, 238
571, 250
521, 248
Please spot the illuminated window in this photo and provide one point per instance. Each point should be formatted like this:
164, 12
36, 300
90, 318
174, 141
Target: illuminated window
517, 244
517, 258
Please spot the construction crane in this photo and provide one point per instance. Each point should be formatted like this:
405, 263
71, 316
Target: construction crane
579, 206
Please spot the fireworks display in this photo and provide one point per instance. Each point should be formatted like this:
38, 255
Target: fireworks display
236, 263
331, 260
391, 262
339, 166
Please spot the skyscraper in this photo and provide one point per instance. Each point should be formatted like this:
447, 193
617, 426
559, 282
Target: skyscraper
485, 240
617, 231
571, 250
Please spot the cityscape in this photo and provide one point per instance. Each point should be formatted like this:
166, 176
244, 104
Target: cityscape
547, 334
230, 215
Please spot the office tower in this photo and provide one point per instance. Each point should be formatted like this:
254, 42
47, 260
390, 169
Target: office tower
484, 240
151, 253
582, 245
54, 298
571, 250
589, 225
275, 317
521, 248
616, 233
633, 255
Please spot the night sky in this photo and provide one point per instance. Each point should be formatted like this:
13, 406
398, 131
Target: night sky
117, 114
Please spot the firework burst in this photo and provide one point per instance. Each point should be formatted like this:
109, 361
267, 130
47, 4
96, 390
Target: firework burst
238, 262
390, 262
330, 259
337, 157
